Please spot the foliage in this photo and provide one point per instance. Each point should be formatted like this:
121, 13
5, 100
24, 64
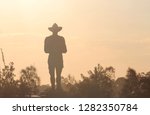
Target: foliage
8, 85
100, 82
29, 81
70, 86
25, 86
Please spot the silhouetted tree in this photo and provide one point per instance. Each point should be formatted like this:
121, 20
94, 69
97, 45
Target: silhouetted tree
29, 81
144, 84
121, 88
133, 83
98, 84
8, 85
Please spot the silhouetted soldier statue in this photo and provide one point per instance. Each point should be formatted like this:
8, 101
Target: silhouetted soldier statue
55, 45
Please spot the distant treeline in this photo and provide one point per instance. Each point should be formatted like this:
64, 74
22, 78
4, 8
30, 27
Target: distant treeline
99, 83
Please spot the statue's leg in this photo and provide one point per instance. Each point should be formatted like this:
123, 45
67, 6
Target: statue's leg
58, 78
52, 77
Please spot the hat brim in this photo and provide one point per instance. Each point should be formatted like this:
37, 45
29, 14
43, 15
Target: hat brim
52, 29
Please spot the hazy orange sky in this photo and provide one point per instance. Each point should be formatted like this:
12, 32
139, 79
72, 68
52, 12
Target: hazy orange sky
108, 32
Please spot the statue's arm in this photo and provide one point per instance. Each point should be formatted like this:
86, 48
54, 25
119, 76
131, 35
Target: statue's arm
64, 48
46, 46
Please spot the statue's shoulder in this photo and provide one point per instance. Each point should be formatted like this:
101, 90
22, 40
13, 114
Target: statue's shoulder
47, 38
61, 37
